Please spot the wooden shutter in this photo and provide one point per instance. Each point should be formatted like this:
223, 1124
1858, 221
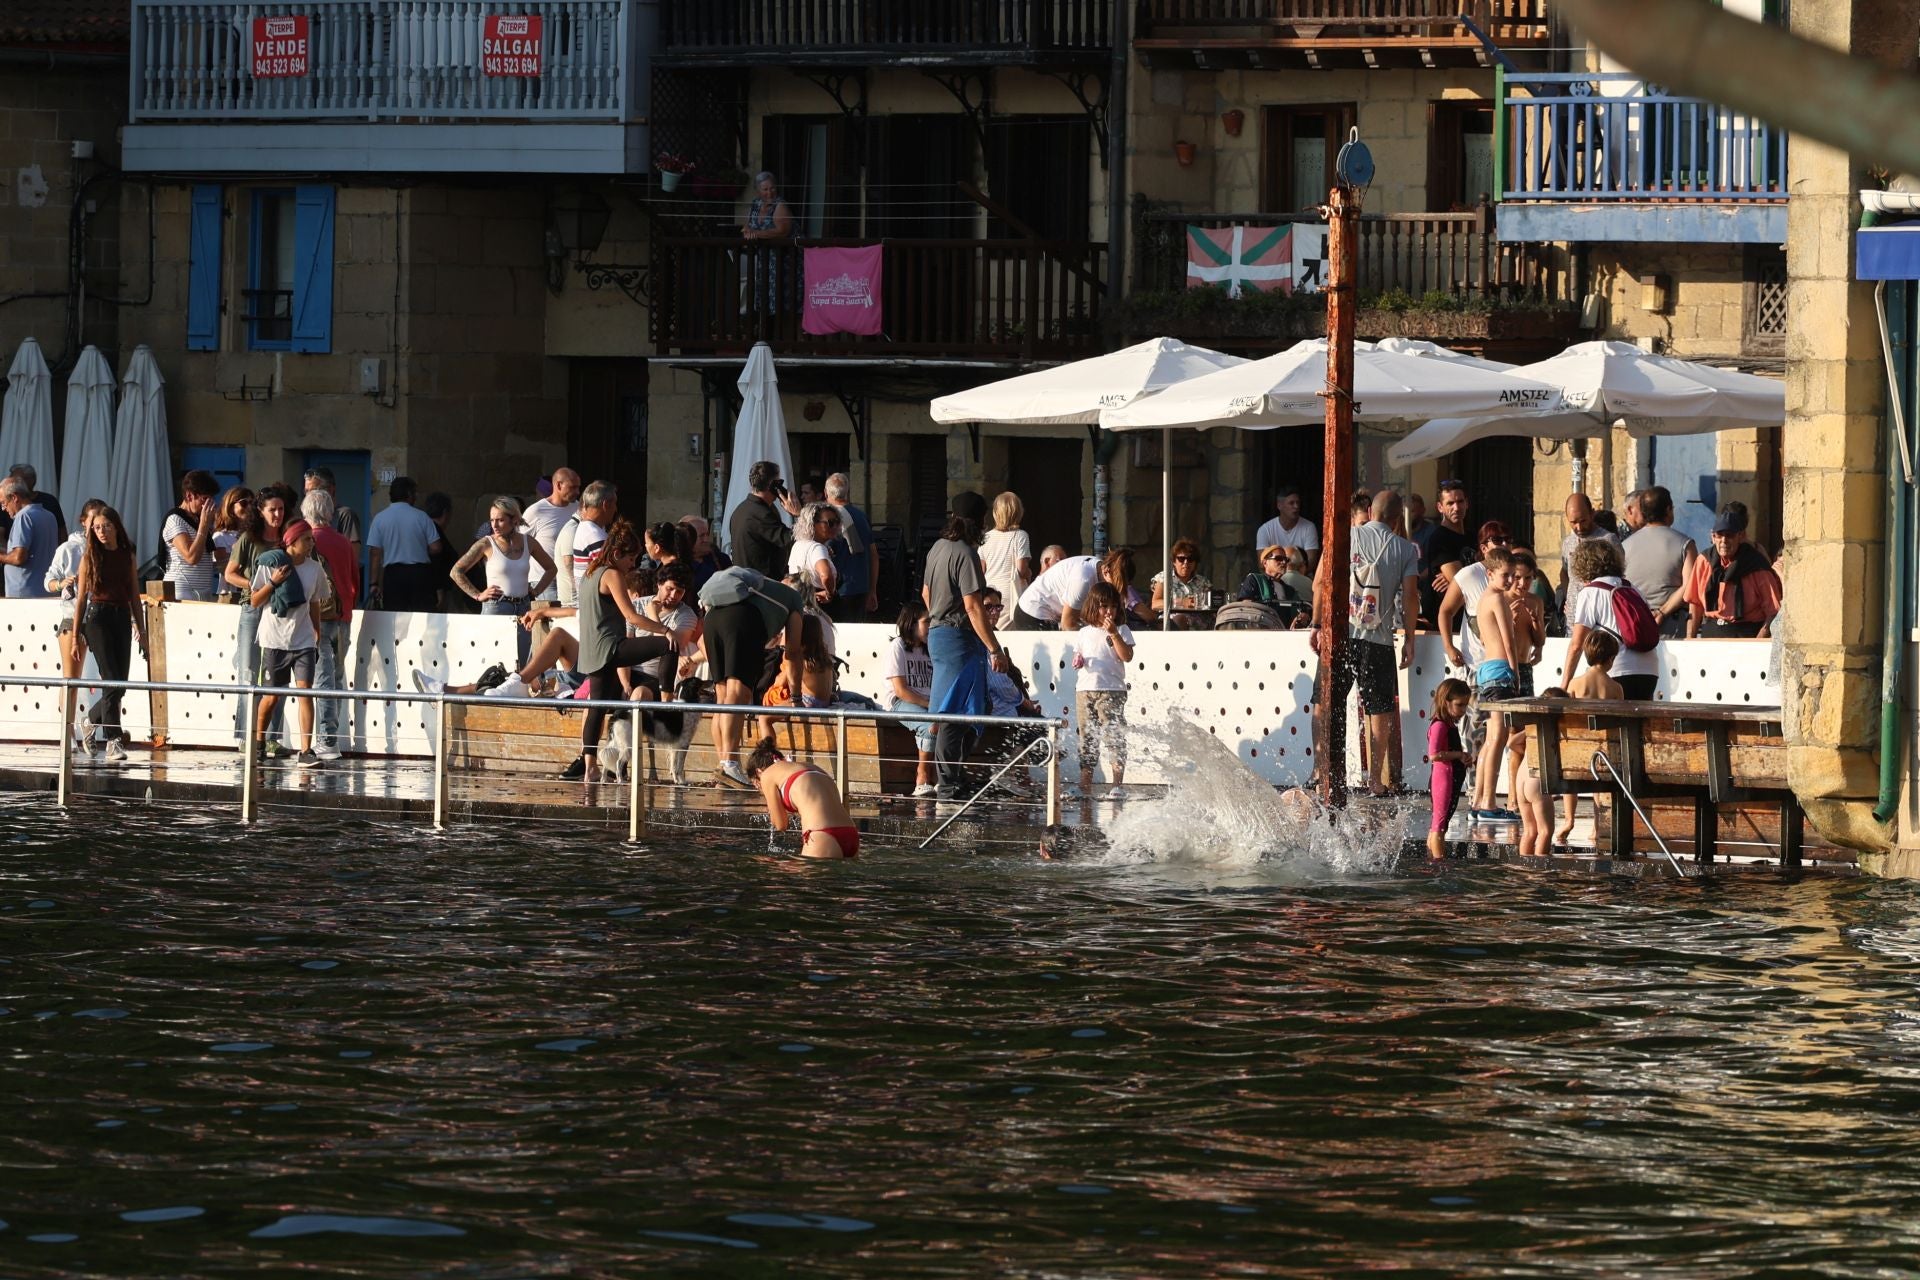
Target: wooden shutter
313, 268
203, 268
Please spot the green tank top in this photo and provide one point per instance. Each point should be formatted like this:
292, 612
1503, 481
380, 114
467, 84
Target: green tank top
602, 625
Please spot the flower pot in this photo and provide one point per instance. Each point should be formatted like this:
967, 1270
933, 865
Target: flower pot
1234, 120
1184, 153
669, 179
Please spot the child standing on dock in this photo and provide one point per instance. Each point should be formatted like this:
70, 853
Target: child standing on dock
1101, 653
1598, 650
1448, 758
1536, 804
1497, 679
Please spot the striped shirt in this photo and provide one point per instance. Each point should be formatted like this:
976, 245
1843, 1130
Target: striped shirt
190, 581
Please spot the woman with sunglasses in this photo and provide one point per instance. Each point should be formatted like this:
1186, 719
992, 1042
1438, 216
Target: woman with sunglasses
1191, 591
1269, 585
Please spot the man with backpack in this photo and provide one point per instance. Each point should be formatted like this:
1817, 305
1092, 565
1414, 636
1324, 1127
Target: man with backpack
1607, 603
1383, 589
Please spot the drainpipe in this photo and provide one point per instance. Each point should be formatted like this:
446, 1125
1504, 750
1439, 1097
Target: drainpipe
1103, 443
1897, 348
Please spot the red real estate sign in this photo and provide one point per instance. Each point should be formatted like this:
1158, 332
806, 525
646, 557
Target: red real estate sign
279, 47
510, 46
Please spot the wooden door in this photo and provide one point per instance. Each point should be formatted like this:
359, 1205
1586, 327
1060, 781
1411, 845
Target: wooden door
607, 427
1047, 476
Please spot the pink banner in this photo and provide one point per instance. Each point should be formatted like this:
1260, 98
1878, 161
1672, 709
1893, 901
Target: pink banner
842, 291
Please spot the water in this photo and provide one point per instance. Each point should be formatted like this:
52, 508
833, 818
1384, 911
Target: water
326, 1046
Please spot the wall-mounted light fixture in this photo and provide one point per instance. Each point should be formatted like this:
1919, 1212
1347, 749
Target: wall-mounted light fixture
577, 222
1656, 293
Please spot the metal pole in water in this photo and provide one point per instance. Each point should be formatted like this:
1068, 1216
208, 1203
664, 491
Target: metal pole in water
249, 763
840, 758
1053, 775
1330, 593
440, 750
636, 796
65, 738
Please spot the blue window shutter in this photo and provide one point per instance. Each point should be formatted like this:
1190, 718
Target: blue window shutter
203, 269
313, 268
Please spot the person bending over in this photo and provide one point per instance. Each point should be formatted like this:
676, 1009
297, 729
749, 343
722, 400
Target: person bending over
808, 793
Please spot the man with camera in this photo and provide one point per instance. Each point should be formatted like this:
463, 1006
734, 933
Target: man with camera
761, 540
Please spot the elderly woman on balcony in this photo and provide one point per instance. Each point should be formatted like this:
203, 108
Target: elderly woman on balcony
769, 219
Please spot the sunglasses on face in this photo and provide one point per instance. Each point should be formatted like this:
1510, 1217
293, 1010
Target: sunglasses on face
1275, 556
1183, 559
1496, 542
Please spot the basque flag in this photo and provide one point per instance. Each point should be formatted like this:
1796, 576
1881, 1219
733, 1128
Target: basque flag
1237, 256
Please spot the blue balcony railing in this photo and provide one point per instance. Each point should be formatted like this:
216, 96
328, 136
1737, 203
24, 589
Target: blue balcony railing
1612, 137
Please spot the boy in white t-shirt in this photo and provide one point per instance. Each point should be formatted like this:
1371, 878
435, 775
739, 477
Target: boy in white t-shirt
1102, 649
289, 588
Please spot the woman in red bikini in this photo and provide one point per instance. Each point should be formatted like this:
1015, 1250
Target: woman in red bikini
808, 793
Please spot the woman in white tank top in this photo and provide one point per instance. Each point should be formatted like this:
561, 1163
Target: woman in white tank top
508, 553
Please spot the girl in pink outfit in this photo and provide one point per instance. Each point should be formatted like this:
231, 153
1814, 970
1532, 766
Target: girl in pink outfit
1448, 760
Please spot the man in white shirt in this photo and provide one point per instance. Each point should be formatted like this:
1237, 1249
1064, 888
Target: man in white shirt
546, 517
1383, 592
401, 544
1288, 529
599, 506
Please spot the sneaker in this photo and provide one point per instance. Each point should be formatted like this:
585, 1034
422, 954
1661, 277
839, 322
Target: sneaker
114, 753
512, 687
327, 751
731, 774
428, 684
1117, 793
307, 760
575, 771
924, 791
274, 751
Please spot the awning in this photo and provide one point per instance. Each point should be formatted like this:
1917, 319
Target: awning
1888, 253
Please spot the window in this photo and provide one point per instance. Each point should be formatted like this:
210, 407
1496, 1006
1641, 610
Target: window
1764, 317
1459, 155
1040, 169
289, 293
816, 170
1300, 144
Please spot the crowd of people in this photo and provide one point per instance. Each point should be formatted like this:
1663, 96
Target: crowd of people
609, 608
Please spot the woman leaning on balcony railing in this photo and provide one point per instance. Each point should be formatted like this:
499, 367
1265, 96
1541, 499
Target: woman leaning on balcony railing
770, 220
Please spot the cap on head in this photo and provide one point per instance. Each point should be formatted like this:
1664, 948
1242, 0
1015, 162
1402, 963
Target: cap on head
1732, 518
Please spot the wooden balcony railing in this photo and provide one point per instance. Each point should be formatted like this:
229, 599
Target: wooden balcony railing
1329, 25
1417, 253
978, 30
1609, 137
956, 298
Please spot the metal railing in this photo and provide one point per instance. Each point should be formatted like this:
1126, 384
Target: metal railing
1456, 253
1506, 22
1612, 136
1593, 767
442, 739
381, 59
780, 28
938, 297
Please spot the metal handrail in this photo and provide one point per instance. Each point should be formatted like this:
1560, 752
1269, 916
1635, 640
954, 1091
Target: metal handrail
1593, 767
973, 799
250, 693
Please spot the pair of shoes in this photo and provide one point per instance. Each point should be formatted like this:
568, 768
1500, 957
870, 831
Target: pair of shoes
512, 687
923, 791
114, 752
492, 678
575, 771
307, 760
730, 774
428, 684
327, 751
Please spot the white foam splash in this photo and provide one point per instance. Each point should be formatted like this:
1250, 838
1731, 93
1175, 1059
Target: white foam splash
1219, 816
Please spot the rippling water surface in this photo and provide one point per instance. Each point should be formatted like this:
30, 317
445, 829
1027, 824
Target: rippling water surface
336, 1047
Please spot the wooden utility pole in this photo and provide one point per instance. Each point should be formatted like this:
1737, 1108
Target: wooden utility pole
1332, 587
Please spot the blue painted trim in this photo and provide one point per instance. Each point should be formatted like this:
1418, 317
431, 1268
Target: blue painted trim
203, 268
1643, 223
313, 268
386, 148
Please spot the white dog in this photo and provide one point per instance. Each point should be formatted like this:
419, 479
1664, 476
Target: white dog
666, 730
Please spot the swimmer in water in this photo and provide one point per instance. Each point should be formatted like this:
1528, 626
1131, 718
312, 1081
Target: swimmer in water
805, 792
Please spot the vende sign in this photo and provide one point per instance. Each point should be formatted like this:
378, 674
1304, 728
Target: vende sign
279, 47
510, 46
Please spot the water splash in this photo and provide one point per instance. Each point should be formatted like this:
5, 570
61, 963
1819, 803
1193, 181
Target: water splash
1218, 815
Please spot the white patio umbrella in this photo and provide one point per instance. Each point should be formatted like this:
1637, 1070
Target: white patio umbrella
1605, 382
759, 434
26, 420
1077, 392
1434, 351
86, 460
140, 477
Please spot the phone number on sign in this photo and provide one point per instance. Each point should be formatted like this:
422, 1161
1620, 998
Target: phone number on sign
506, 65
280, 67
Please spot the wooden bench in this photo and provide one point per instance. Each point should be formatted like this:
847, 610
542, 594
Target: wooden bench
507, 740
1721, 760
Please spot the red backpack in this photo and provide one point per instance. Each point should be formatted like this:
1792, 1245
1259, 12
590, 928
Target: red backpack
1633, 621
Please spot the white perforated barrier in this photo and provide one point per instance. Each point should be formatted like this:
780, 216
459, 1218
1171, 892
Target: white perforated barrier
1252, 689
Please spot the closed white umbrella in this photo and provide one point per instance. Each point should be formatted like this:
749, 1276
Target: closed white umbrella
1077, 392
1606, 382
140, 480
759, 434
86, 460
1288, 390
26, 419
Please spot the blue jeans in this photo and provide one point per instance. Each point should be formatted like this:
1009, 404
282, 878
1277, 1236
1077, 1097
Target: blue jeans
512, 607
960, 670
246, 670
327, 664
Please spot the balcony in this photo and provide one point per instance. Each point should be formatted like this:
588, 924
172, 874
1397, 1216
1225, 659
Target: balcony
860, 33
1442, 276
1609, 157
1335, 33
389, 86
1014, 300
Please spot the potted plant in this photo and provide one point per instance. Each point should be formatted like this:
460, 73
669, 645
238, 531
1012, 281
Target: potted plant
671, 167
1183, 151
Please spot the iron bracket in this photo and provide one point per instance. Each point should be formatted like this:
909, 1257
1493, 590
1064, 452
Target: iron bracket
630, 278
859, 411
978, 107
1078, 80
